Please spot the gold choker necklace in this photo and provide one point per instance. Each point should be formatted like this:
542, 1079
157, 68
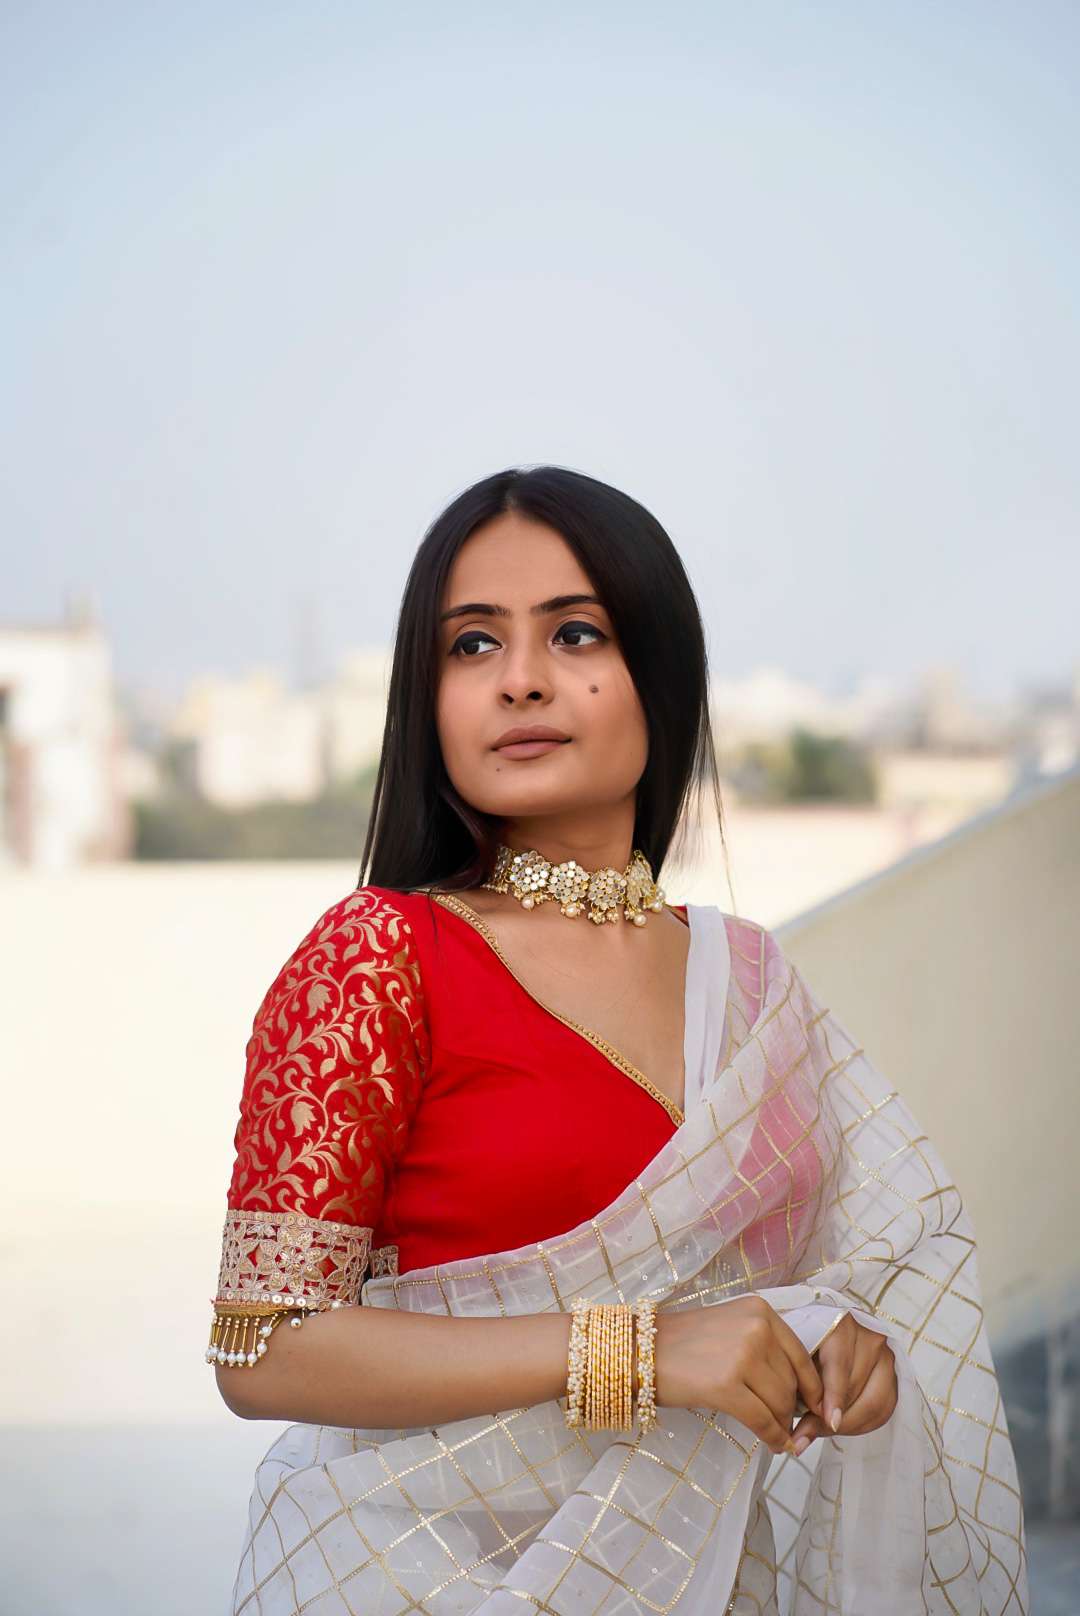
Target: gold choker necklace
533, 879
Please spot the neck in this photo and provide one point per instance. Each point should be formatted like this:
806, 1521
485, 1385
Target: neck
595, 841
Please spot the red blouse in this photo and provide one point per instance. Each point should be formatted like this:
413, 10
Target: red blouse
402, 1081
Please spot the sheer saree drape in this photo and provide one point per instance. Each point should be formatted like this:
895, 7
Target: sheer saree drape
799, 1174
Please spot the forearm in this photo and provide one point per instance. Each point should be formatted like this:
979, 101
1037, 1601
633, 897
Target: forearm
381, 1368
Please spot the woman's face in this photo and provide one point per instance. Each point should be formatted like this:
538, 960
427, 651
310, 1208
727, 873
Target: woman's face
513, 657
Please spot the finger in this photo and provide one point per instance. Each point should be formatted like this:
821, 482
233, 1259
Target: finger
836, 1354
806, 1370
807, 1430
875, 1403
774, 1383
869, 1345
748, 1407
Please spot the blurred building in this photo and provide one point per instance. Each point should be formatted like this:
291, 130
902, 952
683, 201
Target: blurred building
354, 707
767, 703
1049, 742
939, 755
937, 714
957, 784
63, 800
238, 742
948, 719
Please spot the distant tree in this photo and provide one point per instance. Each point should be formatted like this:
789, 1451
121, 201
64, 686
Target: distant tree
181, 825
828, 768
803, 767
760, 771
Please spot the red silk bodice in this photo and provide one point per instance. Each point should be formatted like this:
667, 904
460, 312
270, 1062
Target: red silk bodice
400, 1079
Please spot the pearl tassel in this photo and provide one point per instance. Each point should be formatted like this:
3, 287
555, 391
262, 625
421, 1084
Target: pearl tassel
240, 1330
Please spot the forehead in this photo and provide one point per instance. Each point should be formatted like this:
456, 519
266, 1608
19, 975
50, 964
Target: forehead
514, 559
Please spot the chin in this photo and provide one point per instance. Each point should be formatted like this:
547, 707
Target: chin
523, 797
523, 804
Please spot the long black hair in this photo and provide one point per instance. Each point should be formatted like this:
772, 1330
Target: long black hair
421, 832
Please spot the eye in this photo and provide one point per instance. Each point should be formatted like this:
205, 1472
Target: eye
466, 644
576, 628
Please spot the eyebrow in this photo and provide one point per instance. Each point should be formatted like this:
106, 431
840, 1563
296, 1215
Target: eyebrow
481, 608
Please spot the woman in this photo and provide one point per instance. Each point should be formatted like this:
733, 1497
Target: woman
466, 1110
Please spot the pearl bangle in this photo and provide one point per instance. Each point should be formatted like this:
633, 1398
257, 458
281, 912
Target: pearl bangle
645, 1315
575, 1380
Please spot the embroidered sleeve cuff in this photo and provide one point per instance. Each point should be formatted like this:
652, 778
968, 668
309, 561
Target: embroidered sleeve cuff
273, 1263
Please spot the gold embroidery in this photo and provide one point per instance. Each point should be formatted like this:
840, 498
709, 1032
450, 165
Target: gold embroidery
384, 1260
843, 1313
334, 1067
333, 1077
459, 907
289, 1260
273, 1263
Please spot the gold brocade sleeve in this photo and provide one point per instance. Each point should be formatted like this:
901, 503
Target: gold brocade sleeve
333, 1077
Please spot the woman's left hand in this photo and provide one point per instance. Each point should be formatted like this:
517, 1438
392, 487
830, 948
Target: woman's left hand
858, 1371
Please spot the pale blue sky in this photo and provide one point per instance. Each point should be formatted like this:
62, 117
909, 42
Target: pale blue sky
281, 279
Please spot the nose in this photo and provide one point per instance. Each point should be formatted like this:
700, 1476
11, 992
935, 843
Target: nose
525, 676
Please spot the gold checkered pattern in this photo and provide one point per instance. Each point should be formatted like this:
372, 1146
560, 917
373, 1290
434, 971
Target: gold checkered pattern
800, 1175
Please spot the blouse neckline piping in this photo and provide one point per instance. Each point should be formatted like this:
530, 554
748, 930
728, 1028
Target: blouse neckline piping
466, 912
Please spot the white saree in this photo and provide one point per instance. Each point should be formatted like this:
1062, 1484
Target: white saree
797, 1174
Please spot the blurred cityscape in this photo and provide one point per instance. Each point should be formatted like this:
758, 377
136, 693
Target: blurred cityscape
266, 766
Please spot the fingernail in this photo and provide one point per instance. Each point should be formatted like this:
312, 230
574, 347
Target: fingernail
789, 1447
802, 1443
834, 1419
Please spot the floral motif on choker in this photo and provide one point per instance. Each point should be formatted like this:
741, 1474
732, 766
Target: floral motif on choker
606, 894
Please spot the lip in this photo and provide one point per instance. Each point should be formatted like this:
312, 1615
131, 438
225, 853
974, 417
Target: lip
528, 735
528, 749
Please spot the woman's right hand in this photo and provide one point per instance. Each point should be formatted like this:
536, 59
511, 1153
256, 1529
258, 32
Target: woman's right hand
740, 1358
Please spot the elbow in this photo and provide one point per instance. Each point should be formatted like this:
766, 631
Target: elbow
239, 1395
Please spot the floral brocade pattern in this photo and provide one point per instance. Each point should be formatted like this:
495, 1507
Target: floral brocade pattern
334, 1072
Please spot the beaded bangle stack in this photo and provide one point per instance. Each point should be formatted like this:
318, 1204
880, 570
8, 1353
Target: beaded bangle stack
600, 1365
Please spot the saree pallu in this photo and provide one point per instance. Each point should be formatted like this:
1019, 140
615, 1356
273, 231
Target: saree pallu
798, 1174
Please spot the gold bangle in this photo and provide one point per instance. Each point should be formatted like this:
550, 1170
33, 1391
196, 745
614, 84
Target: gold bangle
645, 1315
617, 1367
576, 1363
609, 1365
628, 1369
606, 1349
596, 1389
